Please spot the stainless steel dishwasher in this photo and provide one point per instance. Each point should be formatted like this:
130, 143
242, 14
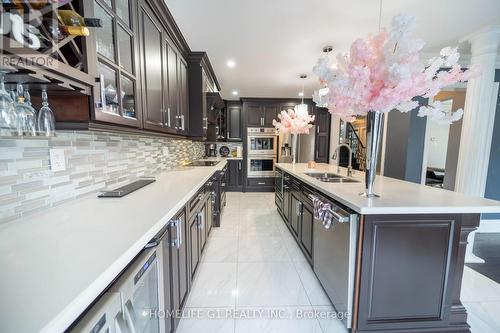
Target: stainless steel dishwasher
334, 258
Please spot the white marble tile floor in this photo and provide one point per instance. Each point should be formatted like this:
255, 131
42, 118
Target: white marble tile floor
253, 277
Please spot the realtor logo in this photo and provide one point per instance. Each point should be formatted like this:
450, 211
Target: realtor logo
12, 25
22, 42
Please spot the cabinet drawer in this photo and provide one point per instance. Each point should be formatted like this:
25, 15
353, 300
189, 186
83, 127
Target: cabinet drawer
266, 182
196, 200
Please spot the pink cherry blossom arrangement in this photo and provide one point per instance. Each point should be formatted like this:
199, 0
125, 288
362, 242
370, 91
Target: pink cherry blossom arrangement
384, 72
293, 123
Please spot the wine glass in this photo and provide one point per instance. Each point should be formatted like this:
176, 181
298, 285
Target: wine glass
25, 112
46, 119
8, 116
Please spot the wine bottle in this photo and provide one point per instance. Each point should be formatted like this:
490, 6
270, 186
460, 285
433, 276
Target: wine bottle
72, 23
36, 4
92, 22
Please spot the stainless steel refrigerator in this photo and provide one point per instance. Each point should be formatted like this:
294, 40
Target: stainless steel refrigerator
305, 147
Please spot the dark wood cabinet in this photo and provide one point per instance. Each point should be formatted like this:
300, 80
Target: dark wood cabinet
153, 68
234, 121
183, 110
295, 213
167, 278
179, 272
286, 198
235, 175
322, 136
270, 112
172, 98
254, 114
194, 248
202, 81
111, 57
261, 114
164, 76
306, 228
138, 62
209, 213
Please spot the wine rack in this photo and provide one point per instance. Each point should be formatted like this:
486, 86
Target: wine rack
58, 65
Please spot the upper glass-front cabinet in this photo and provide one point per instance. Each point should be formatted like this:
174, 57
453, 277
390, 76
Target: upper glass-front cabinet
114, 61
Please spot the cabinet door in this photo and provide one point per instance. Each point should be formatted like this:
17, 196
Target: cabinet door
183, 259
167, 278
171, 108
174, 270
183, 111
112, 56
232, 174
322, 136
202, 226
254, 115
234, 123
179, 262
270, 113
194, 245
306, 229
209, 214
295, 211
152, 64
286, 203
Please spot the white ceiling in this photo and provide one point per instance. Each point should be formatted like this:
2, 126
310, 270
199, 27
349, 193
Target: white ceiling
274, 41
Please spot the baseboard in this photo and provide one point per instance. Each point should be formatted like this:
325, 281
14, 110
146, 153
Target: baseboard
489, 226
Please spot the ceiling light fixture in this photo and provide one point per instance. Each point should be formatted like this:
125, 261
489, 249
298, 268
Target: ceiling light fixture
231, 63
301, 109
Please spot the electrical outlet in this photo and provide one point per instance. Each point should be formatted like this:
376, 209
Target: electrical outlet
57, 160
166, 152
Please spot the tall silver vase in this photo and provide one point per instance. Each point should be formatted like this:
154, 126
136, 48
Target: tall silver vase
374, 129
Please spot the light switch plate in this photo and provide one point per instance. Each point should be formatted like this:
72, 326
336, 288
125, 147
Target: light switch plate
57, 160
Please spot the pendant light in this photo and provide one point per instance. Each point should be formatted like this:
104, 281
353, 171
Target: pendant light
318, 95
301, 109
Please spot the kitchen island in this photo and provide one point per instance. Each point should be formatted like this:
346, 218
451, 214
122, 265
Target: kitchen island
390, 264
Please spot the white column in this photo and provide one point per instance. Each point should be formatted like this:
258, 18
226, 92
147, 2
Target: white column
478, 120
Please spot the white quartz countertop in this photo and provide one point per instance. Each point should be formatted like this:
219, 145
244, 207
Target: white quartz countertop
396, 196
55, 263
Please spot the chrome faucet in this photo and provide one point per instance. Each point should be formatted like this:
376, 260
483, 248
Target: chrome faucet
334, 157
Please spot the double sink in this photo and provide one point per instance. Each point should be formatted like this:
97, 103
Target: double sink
331, 177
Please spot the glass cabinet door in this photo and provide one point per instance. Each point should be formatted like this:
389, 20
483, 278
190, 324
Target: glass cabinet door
116, 95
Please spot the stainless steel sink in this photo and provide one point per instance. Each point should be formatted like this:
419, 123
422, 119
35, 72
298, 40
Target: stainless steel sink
338, 180
331, 177
323, 175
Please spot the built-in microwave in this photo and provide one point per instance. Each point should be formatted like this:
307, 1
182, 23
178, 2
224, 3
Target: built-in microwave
261, 141
261, 166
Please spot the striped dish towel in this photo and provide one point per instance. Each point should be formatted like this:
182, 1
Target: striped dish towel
322, 212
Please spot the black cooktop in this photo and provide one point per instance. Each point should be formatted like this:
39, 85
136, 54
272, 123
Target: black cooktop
203, 163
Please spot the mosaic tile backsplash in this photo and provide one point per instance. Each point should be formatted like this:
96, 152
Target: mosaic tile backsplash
94, 161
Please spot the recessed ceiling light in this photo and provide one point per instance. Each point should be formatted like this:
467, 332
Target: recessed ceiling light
301, 94
235, 92
231, 63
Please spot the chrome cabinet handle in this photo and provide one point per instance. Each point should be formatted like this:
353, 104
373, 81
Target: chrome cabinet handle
239, 165
200, 221
168, 116
261, 183
182, 123
179, 233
